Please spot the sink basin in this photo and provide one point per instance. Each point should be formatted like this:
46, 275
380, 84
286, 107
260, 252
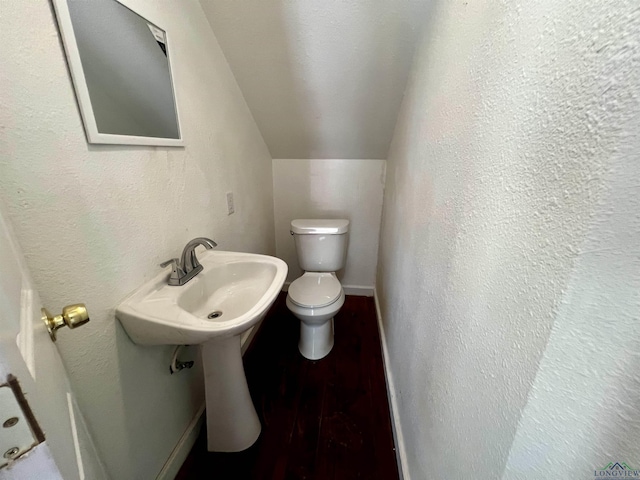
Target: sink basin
231, 294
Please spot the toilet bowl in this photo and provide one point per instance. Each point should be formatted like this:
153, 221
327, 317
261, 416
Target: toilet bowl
317, 296
314, 299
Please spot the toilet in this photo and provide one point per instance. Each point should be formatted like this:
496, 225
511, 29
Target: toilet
317, 296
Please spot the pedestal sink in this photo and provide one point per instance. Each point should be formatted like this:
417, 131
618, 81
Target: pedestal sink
213, 310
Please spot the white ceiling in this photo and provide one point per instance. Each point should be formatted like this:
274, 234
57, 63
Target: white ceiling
323, 78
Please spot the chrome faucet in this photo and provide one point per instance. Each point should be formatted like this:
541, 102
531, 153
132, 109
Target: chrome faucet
188, 266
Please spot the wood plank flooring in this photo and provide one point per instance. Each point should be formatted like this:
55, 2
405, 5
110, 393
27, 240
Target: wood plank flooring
321, 420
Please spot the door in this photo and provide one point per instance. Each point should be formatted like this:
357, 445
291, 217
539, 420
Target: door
31, 369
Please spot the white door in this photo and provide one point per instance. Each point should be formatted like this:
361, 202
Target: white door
31, 359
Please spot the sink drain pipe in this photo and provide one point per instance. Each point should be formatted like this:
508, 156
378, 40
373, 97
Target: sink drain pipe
177, 365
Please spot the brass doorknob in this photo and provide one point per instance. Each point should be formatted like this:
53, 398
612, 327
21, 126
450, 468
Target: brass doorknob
72, 316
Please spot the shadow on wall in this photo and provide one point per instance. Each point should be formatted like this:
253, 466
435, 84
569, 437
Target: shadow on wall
271, 72
329, 189
315, 205
380, 62
323, 78
347, 81
295, 98
487, 203
135, 409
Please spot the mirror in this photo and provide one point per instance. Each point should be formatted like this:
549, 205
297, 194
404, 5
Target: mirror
119, 63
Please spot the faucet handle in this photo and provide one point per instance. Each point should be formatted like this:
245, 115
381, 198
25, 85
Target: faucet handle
176, 271
172, 261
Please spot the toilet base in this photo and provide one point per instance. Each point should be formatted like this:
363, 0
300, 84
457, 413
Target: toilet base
316, 341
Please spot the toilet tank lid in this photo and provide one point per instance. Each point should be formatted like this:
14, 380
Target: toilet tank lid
318, 226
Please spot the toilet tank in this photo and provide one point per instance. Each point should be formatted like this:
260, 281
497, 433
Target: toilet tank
321, 244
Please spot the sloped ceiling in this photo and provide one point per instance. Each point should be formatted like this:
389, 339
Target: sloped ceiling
323, 78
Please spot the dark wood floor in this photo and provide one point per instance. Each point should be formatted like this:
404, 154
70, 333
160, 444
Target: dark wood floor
321, 420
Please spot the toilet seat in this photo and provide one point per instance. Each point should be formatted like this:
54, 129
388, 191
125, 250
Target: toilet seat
315, 290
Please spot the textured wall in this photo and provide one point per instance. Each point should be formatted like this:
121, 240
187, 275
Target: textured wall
508, 267
584, 408
321, 188
323, 78
95, 221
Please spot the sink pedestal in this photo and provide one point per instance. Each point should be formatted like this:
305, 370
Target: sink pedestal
232, 421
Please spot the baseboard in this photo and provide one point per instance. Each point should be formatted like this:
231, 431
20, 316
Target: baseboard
358, 290
398, 438
182, 449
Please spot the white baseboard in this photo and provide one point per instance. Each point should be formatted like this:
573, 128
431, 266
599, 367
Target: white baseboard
398, 438
181, 451
358, 290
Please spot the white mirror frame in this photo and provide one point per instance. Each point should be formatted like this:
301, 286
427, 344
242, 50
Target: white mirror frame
65, 27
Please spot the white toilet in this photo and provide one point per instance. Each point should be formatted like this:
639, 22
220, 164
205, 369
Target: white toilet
317, 295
